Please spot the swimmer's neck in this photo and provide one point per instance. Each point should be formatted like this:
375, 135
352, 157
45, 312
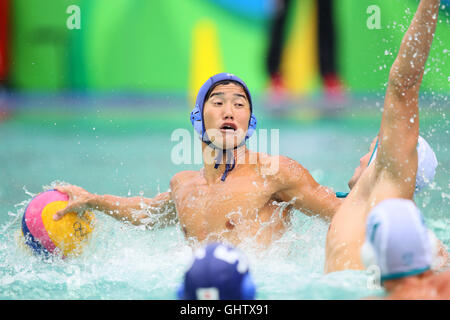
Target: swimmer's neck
212, 174
392, 285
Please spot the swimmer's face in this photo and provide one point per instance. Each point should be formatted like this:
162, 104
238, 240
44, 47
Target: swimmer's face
226, 115
363, 162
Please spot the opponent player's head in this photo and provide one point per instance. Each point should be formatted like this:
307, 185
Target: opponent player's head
397, 240
223, 112
426, 166
217, 272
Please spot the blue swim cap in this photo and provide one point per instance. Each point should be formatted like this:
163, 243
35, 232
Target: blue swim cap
197, 113
199, 125
218, 272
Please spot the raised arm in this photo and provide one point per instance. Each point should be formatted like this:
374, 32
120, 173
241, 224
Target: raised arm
400, 122
308, 196
159, 210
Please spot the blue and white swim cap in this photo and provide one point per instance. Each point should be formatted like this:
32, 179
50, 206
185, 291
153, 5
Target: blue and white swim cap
197, 113
218, 272
426, 165
397, 240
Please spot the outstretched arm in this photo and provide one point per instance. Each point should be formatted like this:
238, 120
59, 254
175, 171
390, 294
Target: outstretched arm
399, 130
136, 210
308, 196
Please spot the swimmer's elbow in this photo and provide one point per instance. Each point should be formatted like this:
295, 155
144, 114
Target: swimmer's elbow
402, 82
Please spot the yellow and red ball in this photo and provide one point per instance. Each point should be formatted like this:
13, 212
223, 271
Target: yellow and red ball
65, 237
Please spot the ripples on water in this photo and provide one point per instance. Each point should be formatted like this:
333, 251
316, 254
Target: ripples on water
127, 262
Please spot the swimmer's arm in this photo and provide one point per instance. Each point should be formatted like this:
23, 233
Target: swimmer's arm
159, 210
409, 65
136, 210
308, 196
399, 130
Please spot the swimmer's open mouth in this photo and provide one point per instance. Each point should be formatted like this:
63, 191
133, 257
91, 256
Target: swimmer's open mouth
228, 127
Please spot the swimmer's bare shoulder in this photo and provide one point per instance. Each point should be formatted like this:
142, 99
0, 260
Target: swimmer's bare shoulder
181, 178
295, 184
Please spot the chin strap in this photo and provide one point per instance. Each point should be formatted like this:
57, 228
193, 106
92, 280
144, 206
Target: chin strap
228, 166
230, 158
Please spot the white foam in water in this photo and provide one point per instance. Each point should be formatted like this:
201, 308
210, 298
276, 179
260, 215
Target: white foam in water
127, 262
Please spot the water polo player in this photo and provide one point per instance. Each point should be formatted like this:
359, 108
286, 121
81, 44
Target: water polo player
234, 196
405, 252
218, 271
394, 171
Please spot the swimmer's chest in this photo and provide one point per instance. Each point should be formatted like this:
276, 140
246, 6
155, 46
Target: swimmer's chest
213, 205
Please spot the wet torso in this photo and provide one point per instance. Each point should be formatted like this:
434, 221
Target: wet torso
244, 206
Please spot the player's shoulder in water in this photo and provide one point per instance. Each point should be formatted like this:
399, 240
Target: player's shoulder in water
183, 176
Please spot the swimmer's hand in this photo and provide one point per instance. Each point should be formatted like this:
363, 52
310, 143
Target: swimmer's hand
79, 200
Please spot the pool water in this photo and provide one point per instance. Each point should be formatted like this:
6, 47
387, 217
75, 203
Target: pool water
128, 153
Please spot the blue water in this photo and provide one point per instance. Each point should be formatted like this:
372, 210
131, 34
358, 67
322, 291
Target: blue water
106, 156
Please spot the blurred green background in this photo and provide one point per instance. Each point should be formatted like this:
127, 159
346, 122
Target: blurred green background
147, 45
